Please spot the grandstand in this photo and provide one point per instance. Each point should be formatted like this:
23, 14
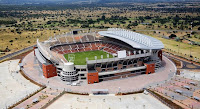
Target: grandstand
127, 54
13, 85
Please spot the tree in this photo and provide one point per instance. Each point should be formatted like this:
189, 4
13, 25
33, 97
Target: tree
176, 19
172, 36
103, 17
135, 23
141, 19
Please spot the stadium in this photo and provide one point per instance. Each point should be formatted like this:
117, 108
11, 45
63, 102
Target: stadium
98, 56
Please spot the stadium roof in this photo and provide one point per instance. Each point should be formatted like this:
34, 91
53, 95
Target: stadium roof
134, 39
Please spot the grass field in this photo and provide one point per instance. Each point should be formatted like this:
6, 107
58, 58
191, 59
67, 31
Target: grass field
16, 42
80, 57
183, 48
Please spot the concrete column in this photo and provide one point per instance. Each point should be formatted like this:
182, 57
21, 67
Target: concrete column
139, 51
144, 51
134, 52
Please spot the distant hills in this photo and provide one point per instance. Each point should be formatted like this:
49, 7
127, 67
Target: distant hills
80, 1
106, 1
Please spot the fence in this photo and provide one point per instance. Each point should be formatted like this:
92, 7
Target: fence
25, 98
180, 55
54, 99
163, 100
128, 92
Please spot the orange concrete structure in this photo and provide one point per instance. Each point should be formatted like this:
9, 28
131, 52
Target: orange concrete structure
150, 68
34, 49
160, 54
93, 78
49, 70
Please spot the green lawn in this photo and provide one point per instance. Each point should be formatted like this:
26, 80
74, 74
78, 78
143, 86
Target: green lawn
80, 57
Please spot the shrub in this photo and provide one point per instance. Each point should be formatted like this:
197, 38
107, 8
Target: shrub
172, 36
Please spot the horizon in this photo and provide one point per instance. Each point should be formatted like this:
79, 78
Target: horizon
21, 2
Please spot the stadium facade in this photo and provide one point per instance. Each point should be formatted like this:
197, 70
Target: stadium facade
133, 54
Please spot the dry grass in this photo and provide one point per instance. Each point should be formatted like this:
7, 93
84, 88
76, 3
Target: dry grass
173, 45
91, 13
23, 39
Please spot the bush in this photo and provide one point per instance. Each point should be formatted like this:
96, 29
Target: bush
177, 39
193, 32
6, 22
172, 36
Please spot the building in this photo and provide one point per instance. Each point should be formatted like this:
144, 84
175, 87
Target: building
133, 54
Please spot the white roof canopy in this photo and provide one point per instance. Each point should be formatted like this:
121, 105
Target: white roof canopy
134, 39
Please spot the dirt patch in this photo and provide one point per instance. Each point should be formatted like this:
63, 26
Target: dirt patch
190, 66
177, 63
21, 56
160, 97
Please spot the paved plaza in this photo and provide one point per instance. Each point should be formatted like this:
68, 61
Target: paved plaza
13, 86
191, 74
180, 90
136, 101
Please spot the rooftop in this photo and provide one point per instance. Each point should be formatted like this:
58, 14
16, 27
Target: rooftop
134, 39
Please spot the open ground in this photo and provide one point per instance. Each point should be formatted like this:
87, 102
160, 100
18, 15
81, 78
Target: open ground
136, 101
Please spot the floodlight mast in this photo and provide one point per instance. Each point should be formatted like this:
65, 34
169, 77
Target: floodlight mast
62, 61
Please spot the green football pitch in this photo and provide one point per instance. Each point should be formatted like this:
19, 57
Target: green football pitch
80, 57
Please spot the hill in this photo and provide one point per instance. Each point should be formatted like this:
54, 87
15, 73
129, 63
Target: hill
15, 2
